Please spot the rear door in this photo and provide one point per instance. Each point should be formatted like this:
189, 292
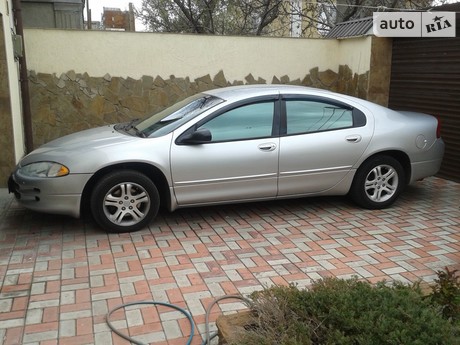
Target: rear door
239, 163
322, 140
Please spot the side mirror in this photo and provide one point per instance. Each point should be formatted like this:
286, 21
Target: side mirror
200, 136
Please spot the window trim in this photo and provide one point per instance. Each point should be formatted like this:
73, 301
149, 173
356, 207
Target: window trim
260, 99
359, 118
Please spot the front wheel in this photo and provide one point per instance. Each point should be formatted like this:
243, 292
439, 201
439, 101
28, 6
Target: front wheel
378, 182
124, 201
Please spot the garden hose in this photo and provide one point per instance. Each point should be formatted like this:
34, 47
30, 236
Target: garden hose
132, 340
208, 336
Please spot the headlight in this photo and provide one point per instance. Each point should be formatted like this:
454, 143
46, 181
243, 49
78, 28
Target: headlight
44, 169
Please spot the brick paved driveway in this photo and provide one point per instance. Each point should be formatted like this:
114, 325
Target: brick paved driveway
60, 276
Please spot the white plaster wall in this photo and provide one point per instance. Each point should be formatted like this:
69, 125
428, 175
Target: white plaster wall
356, 53
13, 80
136, 54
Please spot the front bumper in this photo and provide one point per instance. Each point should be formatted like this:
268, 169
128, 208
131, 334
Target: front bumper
60, 195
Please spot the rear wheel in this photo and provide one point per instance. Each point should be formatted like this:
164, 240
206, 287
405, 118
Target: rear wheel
378, 182
124, 201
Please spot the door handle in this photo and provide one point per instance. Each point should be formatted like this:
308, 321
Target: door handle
353, 138
267, 147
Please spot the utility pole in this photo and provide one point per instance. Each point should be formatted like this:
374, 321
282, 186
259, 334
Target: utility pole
131, 20
88, 15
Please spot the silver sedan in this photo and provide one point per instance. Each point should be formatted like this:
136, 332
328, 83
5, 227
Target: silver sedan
229, 145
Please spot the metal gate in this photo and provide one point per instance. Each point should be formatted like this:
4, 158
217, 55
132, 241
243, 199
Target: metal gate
425, 77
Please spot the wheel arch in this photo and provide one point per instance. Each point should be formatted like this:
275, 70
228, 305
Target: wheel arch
400, 156
386, 183
152, 172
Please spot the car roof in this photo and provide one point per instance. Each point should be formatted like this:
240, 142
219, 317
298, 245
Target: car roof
243, 92
247, 91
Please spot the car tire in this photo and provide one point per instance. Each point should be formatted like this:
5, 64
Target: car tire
124, 201
378, 182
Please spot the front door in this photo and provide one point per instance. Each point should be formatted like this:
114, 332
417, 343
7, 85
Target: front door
240, 162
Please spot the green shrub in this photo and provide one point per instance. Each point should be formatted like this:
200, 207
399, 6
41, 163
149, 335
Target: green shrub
335, 311
446, 294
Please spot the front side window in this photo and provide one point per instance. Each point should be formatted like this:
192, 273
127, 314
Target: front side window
246, 122
306, 116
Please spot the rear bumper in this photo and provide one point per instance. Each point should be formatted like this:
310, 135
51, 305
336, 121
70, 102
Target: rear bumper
428, 167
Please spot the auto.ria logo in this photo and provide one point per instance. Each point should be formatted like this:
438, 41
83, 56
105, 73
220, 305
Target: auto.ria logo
414, 24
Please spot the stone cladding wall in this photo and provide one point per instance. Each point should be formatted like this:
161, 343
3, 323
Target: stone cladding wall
73, 101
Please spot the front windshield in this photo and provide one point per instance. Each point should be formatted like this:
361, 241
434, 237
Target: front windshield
171, 118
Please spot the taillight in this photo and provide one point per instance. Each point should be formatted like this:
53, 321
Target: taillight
438, 129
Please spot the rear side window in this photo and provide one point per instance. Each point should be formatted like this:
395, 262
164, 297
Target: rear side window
308, 116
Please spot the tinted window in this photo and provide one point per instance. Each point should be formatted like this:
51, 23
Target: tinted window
245, 122
304, 116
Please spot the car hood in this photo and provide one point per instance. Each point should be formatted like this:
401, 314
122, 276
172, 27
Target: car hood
91, 144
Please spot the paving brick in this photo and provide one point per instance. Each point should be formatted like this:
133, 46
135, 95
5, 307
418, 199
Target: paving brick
34, 316
67, 328
5, 305
11, 323
13, 336
40, 336
59, 276
172, 329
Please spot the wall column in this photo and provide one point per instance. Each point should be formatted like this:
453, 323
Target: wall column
12, 138
380, 70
